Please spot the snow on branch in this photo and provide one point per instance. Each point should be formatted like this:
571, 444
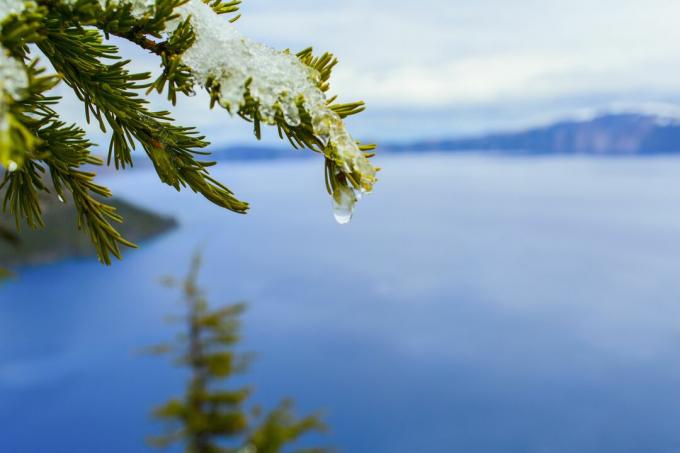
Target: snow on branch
197, 46
241, 71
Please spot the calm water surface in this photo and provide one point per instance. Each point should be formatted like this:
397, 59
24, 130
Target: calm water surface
475, 304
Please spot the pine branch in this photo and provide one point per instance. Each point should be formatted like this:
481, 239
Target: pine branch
62, 150
94, 216
41, 153
110, 95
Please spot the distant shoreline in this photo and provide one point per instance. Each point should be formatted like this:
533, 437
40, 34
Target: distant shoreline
61, 239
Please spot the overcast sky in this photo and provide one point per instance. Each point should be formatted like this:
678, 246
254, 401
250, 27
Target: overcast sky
454, 67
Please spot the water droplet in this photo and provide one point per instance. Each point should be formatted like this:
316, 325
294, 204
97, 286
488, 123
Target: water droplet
342, 216
12, 166
61, 198
344, 200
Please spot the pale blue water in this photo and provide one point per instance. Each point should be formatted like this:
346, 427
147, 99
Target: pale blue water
474, 305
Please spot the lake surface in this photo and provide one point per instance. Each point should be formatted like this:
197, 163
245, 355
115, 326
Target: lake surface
474, 304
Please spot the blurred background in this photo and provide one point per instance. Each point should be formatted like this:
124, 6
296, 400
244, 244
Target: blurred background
513, 284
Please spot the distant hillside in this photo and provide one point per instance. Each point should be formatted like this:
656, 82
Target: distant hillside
616, 134
622, 134
61, 239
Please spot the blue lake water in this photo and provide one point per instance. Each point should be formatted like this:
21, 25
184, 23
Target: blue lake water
474, 304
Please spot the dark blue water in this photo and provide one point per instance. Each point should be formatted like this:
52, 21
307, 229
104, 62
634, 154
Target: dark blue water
473, 305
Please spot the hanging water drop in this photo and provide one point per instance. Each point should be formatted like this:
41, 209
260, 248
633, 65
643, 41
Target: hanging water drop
344, 200
12, 166
61, 198
342, 214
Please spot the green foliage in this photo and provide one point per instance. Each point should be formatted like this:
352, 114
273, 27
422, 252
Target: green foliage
4, 274
48, 146
41, 154
212, 416
7, 236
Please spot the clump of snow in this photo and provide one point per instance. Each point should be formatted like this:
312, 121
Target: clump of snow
8, 7
138, 8
277, 81
142, 7
13, 77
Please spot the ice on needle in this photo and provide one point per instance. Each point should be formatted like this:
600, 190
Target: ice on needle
276, 81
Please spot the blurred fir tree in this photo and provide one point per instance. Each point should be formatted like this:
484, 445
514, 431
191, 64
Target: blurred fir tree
4, 274
7, 235
196, 47
212, 417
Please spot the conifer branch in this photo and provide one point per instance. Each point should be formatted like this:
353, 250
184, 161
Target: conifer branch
110, 95
42, 154
61, 150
